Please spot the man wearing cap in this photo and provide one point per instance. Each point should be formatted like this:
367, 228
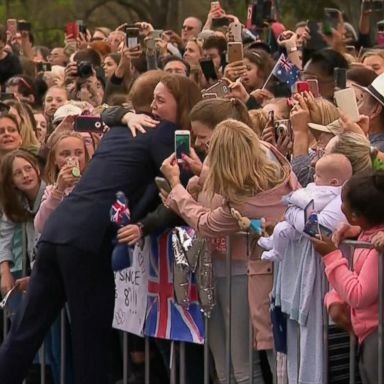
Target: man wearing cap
372, 105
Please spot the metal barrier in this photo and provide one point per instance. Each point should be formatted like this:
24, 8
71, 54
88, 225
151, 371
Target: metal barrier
181, 346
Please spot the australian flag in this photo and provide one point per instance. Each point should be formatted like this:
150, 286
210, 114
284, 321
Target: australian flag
286, 71
165, 319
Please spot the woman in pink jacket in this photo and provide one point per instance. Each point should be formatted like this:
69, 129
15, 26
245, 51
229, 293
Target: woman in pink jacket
353, 302
251, 177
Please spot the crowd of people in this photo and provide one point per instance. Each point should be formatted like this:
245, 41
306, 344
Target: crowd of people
98, 114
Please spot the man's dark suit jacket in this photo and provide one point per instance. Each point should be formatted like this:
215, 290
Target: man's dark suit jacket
121, 163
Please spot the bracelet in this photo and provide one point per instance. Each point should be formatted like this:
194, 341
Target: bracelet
293, 49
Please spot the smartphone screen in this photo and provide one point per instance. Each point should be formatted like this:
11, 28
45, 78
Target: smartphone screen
208, 69
220, 22
43, 67
340, 77
182, 144
23, 26
132, 36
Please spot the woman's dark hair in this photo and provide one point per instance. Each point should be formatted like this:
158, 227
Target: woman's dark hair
88, 54
262, 59
10, 197
116, 57
211, 112
365, 196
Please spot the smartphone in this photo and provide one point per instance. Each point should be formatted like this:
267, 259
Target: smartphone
282, 128
220, 89
43, 67
271, 117
235, 30
157, 33
312, 226
377, 5
132, 36
340, 77
82, 27
332, 17
346, 101
208, 69
150, 43
23, 26
314, 87
220, 22
234, 51
214, 4
182, 144
380, 33
12, 26
207, 95
88, 124
162, 183
302, 86
72, 30
7, 96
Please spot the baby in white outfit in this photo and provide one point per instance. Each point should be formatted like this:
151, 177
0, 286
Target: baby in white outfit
331, 172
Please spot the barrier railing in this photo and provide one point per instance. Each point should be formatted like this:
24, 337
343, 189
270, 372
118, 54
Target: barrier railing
181, 379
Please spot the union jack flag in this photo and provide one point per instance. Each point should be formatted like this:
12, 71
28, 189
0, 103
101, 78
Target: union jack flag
165, 319
286, 71
119, 213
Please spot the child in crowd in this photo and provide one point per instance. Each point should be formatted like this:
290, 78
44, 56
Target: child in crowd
355, 291
331, 172
66, 162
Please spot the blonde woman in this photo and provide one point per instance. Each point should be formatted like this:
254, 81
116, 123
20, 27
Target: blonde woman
374, 59
25, 120
250, 176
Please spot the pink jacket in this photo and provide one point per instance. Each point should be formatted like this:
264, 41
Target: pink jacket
358, 288
49, 203
212, 218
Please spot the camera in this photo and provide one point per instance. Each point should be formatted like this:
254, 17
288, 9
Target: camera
84, 69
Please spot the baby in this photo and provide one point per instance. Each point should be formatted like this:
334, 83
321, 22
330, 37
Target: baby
331, 172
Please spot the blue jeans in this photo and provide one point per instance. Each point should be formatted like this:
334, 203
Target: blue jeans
239, 330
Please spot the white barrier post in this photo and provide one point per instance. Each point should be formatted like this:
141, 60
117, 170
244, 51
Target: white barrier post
228, 311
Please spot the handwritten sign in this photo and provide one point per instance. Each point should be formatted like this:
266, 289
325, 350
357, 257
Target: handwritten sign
131, 292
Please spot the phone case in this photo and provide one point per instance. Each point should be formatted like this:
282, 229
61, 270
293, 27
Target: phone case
220, 89
88, 124
346, 101
302, 86
235, 52
162, 183
235, 32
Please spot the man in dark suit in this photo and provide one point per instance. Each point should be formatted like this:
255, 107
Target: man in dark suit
73, 262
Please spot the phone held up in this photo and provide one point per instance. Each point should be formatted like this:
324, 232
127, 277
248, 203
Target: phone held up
312, 226
88, 124
162, 183
132, 34
182, 144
